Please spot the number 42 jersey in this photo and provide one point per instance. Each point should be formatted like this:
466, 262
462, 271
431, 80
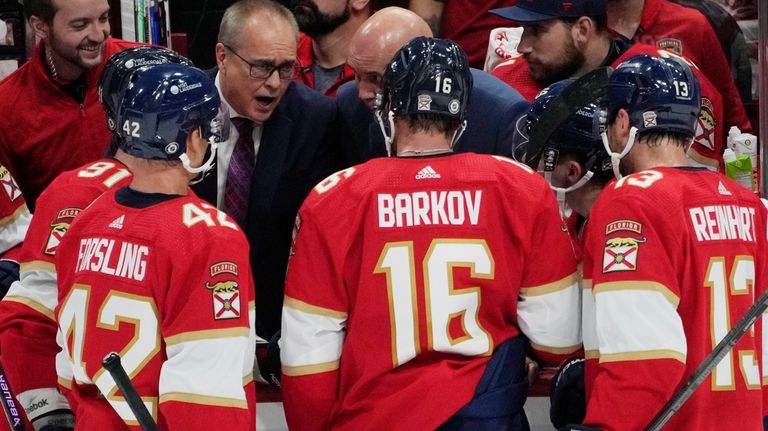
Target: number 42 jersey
166, 282
406, 274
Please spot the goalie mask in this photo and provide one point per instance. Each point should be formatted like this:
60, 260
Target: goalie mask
426, 76
659, 94
162, 105
114, 78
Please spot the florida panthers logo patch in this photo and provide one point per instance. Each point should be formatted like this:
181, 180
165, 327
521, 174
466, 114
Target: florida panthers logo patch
226, 299
9, 184
671, 44
225, 294
621, 252
705, 125
59, 227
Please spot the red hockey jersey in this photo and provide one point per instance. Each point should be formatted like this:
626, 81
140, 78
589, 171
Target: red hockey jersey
404, 276
469, 24
27, 325
673, 258
167, 283
14, 214
709, 143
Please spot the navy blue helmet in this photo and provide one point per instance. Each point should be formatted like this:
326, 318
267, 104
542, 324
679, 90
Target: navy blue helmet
114, 78
428, 76
660, 94
162, 105
578, 134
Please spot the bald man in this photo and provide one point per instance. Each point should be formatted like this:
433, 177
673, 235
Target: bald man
493, 106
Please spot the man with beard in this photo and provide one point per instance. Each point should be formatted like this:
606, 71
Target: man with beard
327, 27
279, 145
557, 44
50, 116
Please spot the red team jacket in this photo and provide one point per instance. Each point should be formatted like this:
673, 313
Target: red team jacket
27, 325
709, 142
176, 301
404, 276
306, 58
673, 258
57, 134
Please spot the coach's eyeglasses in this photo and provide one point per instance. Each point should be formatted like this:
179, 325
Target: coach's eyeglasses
264, 69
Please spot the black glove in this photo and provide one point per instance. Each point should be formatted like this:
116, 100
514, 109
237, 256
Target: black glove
9, 272
268, 357
568, 396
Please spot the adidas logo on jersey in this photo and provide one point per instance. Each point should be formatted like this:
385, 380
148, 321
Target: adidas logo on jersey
118, 222
722, 190
426, 173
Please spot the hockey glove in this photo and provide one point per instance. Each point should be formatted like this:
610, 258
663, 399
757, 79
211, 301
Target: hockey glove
47, 409
268, 360
568, 397
9, 272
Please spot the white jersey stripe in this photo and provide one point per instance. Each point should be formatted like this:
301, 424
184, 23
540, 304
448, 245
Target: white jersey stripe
310, 339
561, 328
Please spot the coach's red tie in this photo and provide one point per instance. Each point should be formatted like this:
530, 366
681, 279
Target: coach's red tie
240, 171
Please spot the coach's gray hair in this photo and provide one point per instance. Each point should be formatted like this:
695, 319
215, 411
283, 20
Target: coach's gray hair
238, 13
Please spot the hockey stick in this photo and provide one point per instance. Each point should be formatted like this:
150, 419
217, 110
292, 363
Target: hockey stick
9, 404
111, 363
710, 362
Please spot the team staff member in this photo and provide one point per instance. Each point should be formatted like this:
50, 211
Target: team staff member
327, 28
415, 280
558, 44
182, 320
287, 143
50, 116
493, 106
674, 256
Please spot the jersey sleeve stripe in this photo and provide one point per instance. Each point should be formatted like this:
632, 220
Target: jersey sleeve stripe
40, 308
209, 334
310, 339
635, 321
552, 320
635, 285
310, 369
248, 378
14, 227
203, 399
201, 370
37, 265
556, 350
313, 309
641, 356
591, 354
548, 288
21, 210
589, 332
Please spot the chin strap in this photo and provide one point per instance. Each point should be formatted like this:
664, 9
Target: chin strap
616, 157
389, 138
560, 192
458, 132
205, 167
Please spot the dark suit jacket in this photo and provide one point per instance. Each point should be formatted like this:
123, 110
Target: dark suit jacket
296, 152
492, 112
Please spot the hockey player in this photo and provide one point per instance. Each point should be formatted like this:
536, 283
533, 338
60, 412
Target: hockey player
27, 325
155, 273
414, 280
674, 256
